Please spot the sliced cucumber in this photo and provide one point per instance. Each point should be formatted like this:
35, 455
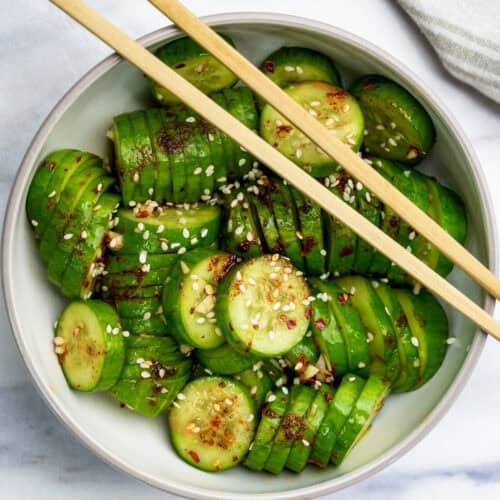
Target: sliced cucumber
138, 308
289, 65
268, 426
335, 108
241, 233
224, 360
291, 429
338, 411
86, 263
301, 449
154, 325
367, 406
408, 353
257, 381
429, 327
154, 373
213, 424
341, 239
262, 308
90, 346
311, 230
123, 263
37, 196
398, 127
196, 65
190, 297
167, 229
381, 337
326, 331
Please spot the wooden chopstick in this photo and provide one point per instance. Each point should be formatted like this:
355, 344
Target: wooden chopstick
203, 105
329, 143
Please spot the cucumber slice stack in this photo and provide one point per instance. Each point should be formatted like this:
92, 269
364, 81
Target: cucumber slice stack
174, 155
153, 375
268, 216
295, 342
70, 209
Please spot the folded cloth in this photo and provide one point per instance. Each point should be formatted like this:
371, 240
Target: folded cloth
466, 37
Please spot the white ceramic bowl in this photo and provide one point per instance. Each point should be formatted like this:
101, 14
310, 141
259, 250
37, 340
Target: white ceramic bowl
139, 445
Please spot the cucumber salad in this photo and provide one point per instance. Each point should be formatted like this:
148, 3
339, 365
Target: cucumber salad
208, 292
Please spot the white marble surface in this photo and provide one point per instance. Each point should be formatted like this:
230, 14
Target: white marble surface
41, 54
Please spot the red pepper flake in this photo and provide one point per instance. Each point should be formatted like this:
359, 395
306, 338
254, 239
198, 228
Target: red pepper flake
307, 246
308, 312
52, 166
142, 214
283, 130
402, 321
394, 221
347, 250
235, 459
179, 66
341, 299
320, 324
290, 323
334, 455
269, 66
194, 456
328, 396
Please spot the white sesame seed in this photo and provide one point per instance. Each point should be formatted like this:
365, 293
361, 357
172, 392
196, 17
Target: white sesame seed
298, 153
59, 341
305, 442
289, 68
451, 340
145, 374
190, 119
52, 194
271, 398
414, 341
34, 223
181, 396
143, 255
197, 171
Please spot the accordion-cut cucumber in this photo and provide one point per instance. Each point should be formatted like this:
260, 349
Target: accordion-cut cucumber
37, 199
86, 263
408, 378
224, 360
147, 277
258, 381
212, 424
368, 404
289, 65
44, 197
241, 233
326, 331
336, 415
123, 263
154, 373
196, 65
262, 308
138, 308
90, 346
268, 426
291, 428
190, 297
167, 229
302, 448
398, 127
381, 337
429, 327
334, 107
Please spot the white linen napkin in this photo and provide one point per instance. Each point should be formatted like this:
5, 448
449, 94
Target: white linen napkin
466, 37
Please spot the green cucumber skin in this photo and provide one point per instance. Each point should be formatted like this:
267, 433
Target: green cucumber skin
306, 349
291, 428
133, 390
61, 173
380, 97
224, 360
326, 332
258, 382
383, 349
138, 292
137, 278
336, 415
37, 196
138, 308
429, 325
365, 409
79, 221
133, 241
156, 325
309, 216
123, 263
314, 66
268, 426
300, 452
114, 346
171, 295
77, 280
408, 378
263, 214
184, 55
351, 326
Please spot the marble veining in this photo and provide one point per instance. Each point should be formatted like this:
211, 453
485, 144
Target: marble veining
42, 53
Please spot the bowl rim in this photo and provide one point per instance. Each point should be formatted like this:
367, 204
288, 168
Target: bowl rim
19, 186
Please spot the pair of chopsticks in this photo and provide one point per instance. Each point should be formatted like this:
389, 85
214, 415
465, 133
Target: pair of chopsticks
352, 163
